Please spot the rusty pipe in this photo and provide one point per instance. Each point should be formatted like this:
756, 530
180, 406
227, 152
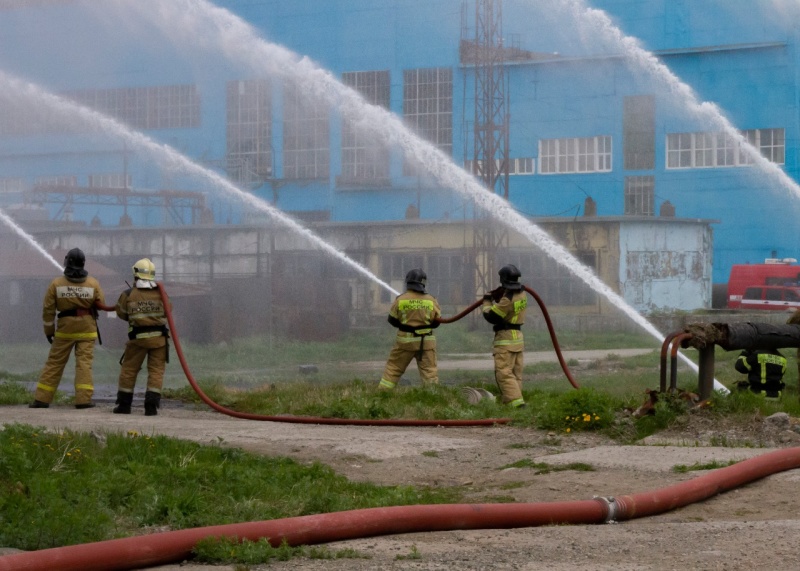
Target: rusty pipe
673, 359
174, 546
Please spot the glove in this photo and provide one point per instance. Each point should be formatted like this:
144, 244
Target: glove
49, 339
487, 297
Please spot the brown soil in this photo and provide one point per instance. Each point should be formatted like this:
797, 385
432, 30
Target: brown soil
754, 525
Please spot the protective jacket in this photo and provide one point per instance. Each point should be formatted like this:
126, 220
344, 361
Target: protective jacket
764, 369
68, 311
413, 314
507, 315
143, 309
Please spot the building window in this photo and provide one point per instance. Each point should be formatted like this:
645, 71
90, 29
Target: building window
710, 150
306, 144
639, 132
771, 143
63, 180
639, 195
364, 157
585, 155
249, 128
110, 180
525, 165
395, 267
555, 282
428, 107
159, 107
8, 185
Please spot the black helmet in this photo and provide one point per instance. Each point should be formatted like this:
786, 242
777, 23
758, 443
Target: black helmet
509, 277
73, 264
416, 280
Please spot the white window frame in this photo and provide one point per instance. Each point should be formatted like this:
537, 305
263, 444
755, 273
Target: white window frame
9, 185
703, 150
575, 155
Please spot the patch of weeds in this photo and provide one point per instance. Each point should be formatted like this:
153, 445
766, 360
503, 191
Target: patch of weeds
713, 465
12, 392
431, 454
232, 551
317, 552
520, 446
582, 409
512, 485
544, 468
414, 554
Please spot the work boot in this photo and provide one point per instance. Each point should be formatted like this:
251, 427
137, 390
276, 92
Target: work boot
39, 404
152, 401
85, 405
123, 403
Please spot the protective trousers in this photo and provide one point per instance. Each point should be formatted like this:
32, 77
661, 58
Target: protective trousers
54, 368
136, 350
399, 359
508, 373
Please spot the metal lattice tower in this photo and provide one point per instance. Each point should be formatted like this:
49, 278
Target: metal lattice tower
490, 162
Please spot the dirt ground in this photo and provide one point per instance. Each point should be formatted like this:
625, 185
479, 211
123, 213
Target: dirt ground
752, 526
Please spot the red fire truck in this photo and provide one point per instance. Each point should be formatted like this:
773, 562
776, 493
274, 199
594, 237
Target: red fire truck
784, 273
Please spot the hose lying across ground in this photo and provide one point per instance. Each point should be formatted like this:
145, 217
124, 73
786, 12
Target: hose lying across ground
175, 546
348, 421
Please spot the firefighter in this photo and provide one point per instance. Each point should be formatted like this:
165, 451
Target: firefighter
764, 369
794, 319
142, 307
70, 323
415, 314
504, 308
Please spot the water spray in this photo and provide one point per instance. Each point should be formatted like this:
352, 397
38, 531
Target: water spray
8, 221
200, 23
170, 159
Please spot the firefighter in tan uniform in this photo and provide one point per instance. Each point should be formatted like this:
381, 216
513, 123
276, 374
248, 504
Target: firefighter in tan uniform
69, 317
415, 313
143, 309
504, 308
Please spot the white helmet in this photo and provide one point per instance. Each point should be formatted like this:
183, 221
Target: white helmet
144, 269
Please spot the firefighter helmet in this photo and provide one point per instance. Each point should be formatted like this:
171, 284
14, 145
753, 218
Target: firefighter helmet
416, 280
73, 265
75, 259
509, 277
144, 269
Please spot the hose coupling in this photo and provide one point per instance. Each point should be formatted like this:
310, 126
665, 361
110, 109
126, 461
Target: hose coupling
611, 507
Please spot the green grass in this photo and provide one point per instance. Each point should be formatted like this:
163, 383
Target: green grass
683, 468
68, 488
545, 468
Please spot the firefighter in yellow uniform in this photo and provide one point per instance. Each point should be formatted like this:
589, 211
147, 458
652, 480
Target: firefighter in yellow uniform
69, 317
504, 308
142, 307
415, 313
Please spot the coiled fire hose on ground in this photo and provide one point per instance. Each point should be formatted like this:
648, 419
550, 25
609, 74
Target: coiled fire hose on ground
174, 546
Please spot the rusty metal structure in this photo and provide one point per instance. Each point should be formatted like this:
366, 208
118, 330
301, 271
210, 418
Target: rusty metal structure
179, 206
490, 132
729, 336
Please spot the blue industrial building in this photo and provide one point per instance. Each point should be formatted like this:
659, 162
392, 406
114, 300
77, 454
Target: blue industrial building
608, 100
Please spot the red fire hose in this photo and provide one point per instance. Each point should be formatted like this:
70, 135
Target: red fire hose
174, 546
299, 419
547, 320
